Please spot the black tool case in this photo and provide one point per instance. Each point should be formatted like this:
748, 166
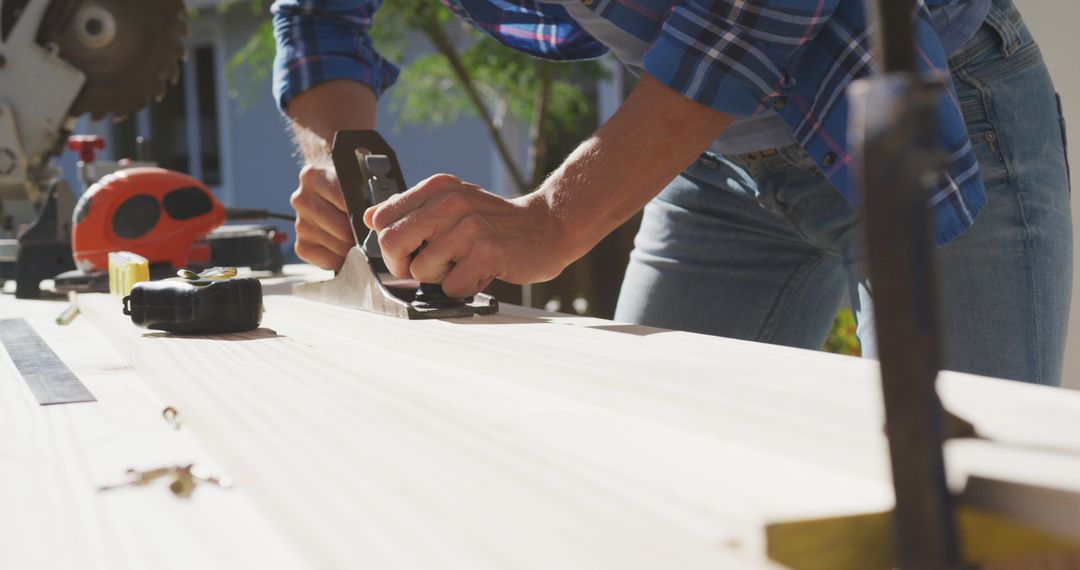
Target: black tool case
201, 306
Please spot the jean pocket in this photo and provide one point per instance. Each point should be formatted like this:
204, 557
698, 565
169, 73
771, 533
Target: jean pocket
1064, 139
985, 142
973, 108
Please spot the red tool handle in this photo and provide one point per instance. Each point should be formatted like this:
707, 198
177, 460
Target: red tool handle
87, 146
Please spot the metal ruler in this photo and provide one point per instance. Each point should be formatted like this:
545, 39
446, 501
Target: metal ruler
48, 377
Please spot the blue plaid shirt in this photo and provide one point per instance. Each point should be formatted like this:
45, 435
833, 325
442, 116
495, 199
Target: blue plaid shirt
796, 57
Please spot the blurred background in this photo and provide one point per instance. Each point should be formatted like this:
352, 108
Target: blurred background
462, 105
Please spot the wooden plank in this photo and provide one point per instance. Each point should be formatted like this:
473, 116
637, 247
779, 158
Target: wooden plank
410, 463
533, 440
670, 376
866, 542
794, 399
52, 459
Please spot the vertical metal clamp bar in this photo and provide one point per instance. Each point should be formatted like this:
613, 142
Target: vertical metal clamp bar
893, 36
894, 139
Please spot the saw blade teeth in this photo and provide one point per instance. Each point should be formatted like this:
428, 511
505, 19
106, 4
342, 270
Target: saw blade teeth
136, 68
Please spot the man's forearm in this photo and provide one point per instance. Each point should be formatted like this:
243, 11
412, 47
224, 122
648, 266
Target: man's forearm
653, 137
445, 230
318, 113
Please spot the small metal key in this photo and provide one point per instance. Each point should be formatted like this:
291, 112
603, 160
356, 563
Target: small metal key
185, 479
138, 478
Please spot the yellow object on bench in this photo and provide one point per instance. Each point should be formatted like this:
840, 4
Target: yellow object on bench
125, 270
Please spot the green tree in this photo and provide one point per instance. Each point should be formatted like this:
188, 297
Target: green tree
842, 339
467, 73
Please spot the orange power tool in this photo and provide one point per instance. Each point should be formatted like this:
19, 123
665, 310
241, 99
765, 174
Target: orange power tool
169, 218
159, 214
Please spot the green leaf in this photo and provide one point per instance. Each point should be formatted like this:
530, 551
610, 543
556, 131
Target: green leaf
252, 63
842, 338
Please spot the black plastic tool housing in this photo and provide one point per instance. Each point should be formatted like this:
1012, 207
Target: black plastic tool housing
201, 306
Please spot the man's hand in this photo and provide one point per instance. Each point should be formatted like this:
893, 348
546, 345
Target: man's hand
323, 233
463, 237
445, 230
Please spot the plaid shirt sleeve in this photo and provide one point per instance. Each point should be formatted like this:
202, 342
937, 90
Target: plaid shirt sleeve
540, 29
323, 40
731, 55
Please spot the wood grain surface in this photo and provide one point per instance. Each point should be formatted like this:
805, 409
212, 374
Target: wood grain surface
53, 459
534, 440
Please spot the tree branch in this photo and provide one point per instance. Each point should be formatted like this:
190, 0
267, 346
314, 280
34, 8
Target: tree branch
538, 148
437, 35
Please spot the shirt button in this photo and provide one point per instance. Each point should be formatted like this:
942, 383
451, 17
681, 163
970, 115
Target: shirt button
828, 160
710, 163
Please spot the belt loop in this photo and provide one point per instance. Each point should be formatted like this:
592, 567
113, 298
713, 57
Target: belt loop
999, 20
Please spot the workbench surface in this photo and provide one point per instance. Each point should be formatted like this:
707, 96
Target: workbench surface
518, 440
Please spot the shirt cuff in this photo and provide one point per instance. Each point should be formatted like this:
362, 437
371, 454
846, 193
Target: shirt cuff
310, 54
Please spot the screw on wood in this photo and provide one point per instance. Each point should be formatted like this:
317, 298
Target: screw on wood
172, 417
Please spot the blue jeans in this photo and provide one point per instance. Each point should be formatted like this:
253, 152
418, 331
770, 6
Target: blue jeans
762, 247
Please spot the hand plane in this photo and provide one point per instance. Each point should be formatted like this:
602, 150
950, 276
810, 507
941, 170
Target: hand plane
368, 168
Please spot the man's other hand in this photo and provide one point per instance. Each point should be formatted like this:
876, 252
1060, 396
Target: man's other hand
323, 233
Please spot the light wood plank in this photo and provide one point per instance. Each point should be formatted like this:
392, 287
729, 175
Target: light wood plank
52, 459
449, 465
529, 439
550, 427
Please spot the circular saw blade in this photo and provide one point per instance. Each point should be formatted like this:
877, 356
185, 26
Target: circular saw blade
129, 50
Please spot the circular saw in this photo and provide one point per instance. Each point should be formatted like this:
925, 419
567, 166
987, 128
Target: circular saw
59, 60
129, 50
